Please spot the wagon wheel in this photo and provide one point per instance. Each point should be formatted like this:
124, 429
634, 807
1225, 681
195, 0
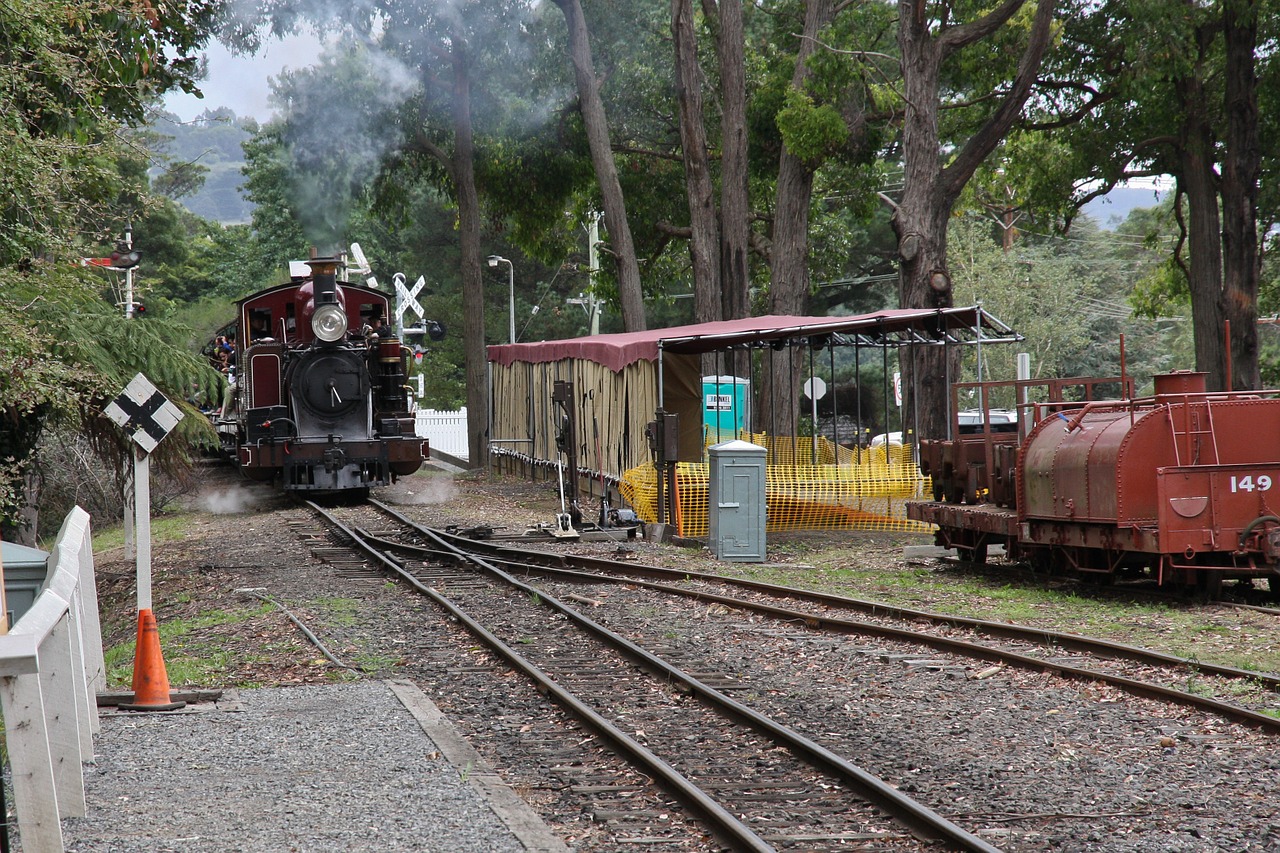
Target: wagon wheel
973, 553
1208, 585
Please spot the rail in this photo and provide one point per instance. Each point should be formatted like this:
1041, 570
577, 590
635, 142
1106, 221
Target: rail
51, 667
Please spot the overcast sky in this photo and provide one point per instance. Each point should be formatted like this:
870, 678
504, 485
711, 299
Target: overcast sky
241, 82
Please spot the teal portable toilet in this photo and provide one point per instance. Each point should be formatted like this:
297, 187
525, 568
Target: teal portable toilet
725, 403
25, 570
736, 509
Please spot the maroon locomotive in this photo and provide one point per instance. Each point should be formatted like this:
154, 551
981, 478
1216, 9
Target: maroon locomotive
318, 397
1183, 486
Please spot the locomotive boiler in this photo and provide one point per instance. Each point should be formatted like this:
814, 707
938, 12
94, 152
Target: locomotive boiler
318, 400
1182, 486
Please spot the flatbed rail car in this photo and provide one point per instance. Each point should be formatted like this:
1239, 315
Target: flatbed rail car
1182, 486
319, 401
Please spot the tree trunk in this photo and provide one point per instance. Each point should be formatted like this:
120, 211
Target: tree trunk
734, 198
630, 293
920, 221
930, 190
463, 173
1241, 169
789, 261
704, 242
1196, 179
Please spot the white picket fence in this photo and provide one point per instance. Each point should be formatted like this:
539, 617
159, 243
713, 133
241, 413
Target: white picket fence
447, 431
51, 669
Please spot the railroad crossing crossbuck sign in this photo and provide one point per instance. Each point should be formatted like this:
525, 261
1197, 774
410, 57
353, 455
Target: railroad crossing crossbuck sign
144, 411
407, 298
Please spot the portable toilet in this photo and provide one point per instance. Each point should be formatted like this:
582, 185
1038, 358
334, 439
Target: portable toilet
25, 570
736, 501
726, 401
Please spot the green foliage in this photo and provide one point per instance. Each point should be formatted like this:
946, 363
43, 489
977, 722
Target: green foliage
69, 73
811, 131
1067, 297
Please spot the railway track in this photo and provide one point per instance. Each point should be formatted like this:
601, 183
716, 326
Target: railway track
1144, 672
618, 595
755, 783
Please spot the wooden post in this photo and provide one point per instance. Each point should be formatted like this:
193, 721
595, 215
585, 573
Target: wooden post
142, 512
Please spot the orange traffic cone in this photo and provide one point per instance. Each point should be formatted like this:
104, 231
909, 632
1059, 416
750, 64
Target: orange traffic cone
150, 680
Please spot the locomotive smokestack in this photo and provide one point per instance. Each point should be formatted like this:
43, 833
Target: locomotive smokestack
324, 272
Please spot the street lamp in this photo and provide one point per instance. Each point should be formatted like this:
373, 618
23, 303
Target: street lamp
494, 260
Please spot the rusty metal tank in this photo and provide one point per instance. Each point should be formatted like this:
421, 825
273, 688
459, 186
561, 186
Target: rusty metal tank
1134, 463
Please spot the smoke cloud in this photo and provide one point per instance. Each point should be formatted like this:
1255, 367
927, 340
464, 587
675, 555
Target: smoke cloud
337, 123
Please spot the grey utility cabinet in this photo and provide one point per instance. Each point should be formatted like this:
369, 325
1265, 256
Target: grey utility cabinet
736, 492
25, 570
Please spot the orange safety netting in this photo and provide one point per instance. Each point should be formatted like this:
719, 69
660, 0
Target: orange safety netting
845, 489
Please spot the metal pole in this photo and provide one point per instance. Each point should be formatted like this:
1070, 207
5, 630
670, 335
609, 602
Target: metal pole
511, 281
128, 276
593, 260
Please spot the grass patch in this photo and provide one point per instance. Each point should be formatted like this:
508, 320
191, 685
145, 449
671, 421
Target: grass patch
373, 664
186, 661
1185, 629
164, 528
339, 611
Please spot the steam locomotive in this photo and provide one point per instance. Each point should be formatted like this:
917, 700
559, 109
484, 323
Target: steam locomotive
1182, 487
318, 399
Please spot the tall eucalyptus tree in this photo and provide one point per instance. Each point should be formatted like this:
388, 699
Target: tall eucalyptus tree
930, 35
630, 292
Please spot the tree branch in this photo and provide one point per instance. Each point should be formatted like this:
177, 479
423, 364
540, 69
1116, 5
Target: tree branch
982, 143
952, 39
425, 145
662, 155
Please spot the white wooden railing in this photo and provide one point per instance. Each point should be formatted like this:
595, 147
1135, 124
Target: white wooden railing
447, 431
50, 671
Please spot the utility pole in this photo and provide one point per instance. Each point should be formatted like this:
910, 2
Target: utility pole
593, 260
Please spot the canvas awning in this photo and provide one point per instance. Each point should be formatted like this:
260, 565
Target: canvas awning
895, 327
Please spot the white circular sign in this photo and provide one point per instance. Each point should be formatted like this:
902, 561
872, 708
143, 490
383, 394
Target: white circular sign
815, 388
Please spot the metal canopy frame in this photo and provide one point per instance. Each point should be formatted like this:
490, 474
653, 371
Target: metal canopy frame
968, 326
927, 327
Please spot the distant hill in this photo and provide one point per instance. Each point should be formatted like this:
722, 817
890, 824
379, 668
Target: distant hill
213, 140
1113, 208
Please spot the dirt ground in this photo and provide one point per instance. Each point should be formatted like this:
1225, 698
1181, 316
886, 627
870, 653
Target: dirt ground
233, 535
236, 535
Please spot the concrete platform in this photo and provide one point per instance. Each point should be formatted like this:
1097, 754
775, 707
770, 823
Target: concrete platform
364, 766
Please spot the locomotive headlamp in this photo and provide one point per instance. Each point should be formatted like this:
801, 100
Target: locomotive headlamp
329, 323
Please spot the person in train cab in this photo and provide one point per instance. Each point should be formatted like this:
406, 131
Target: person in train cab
259, 327
381, 328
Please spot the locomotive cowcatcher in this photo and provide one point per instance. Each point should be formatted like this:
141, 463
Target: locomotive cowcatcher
1182, 486
319, 400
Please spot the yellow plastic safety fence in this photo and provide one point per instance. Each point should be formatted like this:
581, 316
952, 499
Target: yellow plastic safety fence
865, 491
